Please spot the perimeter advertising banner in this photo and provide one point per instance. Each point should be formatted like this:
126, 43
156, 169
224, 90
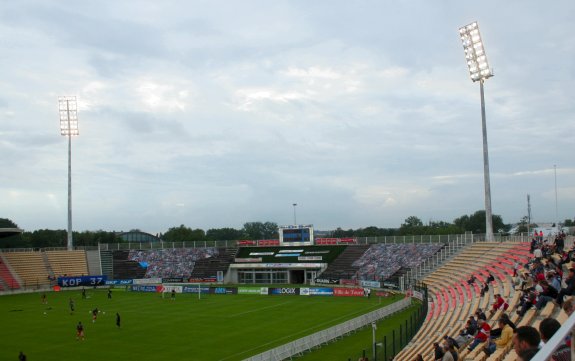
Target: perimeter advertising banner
327, 281
288, 291
314, 291
418, 295
224, 290
252, 290
146, 288
147, 281
348, 292
372, 284
82, 281
195, 289
119, 282
203, 280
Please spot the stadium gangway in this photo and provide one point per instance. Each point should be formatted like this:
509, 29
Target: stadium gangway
320, 338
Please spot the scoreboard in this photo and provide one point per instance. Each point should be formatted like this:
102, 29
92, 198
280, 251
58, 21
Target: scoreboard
298, 235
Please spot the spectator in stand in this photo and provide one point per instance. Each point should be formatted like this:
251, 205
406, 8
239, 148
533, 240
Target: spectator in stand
482, 334
569, 306
503, 341
533, 243
450, 354
548, 294
499, 304
484, 289
547, 329
526, 337
560, 242
553, 280
472, 324
418, 357
570, 289
528, 299
451, 340
496, 332
537, 253
516, 266
437, 352
471, 280
480, 315
527, 355
525, 281
490, 278
468, 332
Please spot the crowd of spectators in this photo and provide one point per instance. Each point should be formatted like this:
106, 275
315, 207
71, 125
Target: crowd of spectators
178, 262
540, 280
381, 261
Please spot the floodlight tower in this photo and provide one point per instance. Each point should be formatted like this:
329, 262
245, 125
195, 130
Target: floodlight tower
479, 71
69, 127
294, 216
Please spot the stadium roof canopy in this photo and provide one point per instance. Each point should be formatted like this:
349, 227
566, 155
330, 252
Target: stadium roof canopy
7, 232
138, 236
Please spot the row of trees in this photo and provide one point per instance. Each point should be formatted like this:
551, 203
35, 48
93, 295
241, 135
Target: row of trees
258, 230
414, 226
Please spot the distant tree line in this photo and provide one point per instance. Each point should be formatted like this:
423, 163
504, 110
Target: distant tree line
259, 230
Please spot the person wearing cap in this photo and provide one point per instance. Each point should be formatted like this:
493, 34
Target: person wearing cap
570, 289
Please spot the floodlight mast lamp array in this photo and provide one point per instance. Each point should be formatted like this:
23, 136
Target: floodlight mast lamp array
479, 71
67, 107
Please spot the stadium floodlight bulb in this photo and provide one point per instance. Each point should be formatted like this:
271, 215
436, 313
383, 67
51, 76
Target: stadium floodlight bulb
475, 52
68, 109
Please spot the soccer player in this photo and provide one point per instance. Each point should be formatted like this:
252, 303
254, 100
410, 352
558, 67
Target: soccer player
118, 319
173, 295
44, 301
71, 303
110, 293
83, 293
80, 331
21, 356
94, 314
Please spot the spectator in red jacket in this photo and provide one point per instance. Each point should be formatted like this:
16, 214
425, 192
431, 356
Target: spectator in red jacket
499, 304
482, 334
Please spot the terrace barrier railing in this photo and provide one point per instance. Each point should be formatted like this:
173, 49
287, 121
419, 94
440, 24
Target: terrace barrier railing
316, 340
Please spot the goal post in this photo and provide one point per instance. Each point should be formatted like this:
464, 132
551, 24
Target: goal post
184, 288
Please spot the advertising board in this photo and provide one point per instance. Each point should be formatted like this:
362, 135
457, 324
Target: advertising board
348, 292
82, 281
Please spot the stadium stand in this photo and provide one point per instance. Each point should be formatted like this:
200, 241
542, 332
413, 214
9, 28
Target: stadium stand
208, 267
8, 281
30, 268
69, 263
177, 262
124, 268
381, 261
343, 266
453, 299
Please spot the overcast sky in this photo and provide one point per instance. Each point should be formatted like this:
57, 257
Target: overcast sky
216, 113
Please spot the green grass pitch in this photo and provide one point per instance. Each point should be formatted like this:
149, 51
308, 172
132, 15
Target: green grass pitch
216, 327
